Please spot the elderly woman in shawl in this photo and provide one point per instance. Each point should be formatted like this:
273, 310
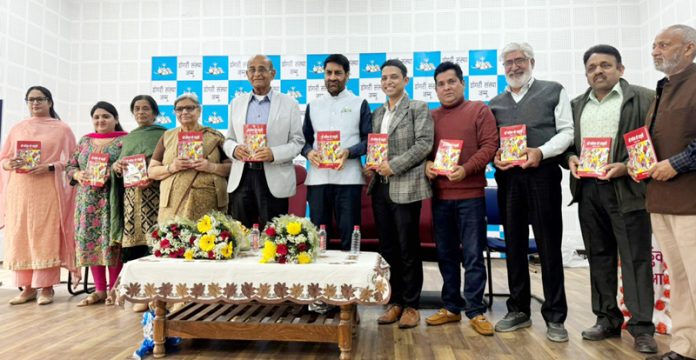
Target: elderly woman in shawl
36, 202
134, 209
190, 185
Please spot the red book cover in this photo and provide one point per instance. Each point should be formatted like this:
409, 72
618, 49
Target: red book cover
447, 156
136, 170
97, 164
594, 156
328, 145
190, 145
641, 153
30, 153
513, 144
254, 137
377, 150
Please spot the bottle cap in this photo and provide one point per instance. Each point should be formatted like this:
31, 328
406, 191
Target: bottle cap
356, 227
256, 226
322, 227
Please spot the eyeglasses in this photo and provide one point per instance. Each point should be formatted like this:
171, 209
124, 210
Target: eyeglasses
261, 70
38, 100
518, 61
181, 109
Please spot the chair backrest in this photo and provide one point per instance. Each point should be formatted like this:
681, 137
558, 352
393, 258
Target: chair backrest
298, 203
492, 211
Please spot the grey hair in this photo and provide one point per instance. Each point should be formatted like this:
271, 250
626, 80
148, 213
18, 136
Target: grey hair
270, 63
688, 33
190, 96
524, 47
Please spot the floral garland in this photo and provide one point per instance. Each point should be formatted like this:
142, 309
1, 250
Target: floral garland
289, 239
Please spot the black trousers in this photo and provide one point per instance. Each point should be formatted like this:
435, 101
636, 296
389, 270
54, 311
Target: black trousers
342, 201
608, 233
533, 196
252, 201
399, 244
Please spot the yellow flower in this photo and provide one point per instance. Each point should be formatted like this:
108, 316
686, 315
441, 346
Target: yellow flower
205, 224
294, 228
227, 251
269, 250
188, 255
207, 242
304, 258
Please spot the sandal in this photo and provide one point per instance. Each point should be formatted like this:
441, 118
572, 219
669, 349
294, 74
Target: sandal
22, 299
93, 298
45, 299
111, 298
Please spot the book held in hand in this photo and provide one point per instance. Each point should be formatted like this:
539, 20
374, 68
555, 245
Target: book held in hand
190, 146
377, 150
513, 144
254, 138
135, 173
97, 165
594, 156
329, 146
447, 156
30, 153
641, 153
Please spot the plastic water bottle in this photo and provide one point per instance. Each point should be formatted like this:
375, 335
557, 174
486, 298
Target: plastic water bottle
322, 238
255, 234
355, 242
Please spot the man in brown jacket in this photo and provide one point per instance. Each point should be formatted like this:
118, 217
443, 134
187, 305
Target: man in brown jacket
671, 194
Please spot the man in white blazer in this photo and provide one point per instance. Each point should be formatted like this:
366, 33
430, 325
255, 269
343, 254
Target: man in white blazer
261, 183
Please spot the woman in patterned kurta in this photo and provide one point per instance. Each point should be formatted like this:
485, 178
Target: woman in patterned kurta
94, 246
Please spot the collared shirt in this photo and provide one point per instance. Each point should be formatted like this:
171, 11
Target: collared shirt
258, 110
389, 114
564, 122
601, 118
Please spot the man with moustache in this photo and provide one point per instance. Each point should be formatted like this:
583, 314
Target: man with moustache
531, 193
259, 189
459, 205
337, 192
671, 195
611, 208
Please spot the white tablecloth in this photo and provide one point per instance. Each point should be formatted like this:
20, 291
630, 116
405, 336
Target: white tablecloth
332, 278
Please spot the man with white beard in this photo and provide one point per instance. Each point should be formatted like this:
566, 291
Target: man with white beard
531, 192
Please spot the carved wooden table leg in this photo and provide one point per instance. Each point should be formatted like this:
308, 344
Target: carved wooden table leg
345, 331
159, 327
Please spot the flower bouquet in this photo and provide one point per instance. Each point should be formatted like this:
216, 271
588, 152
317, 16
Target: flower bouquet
218, 236
172, 238
289, 239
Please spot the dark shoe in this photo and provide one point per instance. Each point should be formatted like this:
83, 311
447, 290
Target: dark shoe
645, 343
599, 332
668, 356
391, 315
513, 321
409, 319
556, 332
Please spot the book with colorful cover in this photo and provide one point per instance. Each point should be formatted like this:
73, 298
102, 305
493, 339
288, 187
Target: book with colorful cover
447, 156
594, 156
377, 150
329, 146
254, 138
97, 165
135, 173
641, 153
190, 146
513, 144
30, 153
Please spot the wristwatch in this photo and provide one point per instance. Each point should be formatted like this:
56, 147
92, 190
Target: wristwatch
51, 167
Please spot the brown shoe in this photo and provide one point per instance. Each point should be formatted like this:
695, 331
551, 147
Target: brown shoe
409, 319
482, 325
442, 316
391, 315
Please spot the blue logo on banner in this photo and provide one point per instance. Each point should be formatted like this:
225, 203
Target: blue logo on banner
483, 62
370, 65
296, 89
215, 68
275, 60
238, 87
315, 66
196, 87
424, 63
166, 117
215, 116
353, 86
502, 84
164, 68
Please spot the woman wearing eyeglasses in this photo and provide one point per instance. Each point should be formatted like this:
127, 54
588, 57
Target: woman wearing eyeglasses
190, 187
94, 246
36, 202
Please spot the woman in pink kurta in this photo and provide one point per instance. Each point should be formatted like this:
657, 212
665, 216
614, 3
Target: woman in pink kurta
37, 203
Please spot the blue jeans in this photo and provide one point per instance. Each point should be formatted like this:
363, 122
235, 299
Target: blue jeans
460, 236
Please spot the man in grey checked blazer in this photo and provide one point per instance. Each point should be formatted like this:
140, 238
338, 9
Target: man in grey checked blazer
397, 187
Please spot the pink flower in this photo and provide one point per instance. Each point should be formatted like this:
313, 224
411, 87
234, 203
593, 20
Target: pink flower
96, 223
270, 231
101, 203
90, 209
164, 244
282, 250
90, 246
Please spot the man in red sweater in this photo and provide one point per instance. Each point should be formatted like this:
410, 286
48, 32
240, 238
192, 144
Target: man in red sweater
459, 207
